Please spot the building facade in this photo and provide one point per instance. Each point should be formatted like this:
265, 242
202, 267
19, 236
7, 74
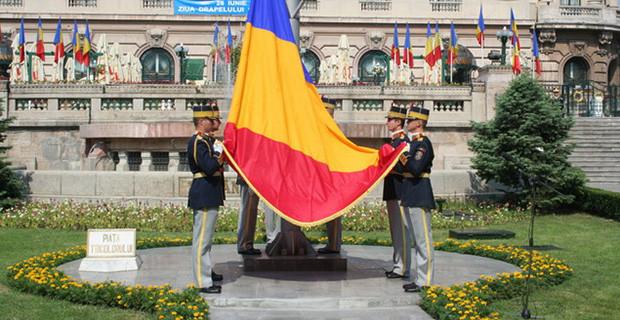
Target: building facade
142, 125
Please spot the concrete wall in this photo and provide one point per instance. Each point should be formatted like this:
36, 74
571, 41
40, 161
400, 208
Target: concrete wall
154, 187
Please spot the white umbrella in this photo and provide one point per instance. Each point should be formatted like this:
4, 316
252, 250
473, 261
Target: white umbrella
344, 64
103, 61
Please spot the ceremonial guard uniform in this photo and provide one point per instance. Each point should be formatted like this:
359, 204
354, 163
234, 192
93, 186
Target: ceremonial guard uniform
334, 227
206, 194
391, 195
417, 199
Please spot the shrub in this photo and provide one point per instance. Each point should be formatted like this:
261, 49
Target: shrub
12, 188
527, 118
599, 202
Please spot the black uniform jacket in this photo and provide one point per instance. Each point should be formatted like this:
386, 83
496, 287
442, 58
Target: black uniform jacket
207, 191
393, 181
416, 190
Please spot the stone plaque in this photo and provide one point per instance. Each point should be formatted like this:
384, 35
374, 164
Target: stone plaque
110, 250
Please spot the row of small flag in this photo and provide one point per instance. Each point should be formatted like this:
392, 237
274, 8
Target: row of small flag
81, 47
227, 47
432, 48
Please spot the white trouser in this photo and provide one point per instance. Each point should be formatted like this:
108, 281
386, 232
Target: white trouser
418, 222
204, 227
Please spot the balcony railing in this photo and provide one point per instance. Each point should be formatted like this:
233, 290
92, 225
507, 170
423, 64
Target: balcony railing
157, 3
11, 3
375, 5
82, 3
573, 11
310, 5
446, 5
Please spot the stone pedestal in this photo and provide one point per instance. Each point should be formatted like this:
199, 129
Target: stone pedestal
292, 251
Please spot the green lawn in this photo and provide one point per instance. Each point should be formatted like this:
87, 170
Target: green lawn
589, 245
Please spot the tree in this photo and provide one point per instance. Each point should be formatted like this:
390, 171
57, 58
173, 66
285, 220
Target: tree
527, 121
12, 188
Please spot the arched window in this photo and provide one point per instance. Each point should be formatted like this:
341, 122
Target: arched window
373, 66
312, 63
576, 71
613, 73
157, 66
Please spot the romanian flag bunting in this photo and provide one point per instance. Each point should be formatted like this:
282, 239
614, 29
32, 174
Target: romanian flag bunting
280, 138
75, 42
22, 42
536, 54
229, 44
516, 45
437, 45
408, 54
395, 49
428, 47
86, 47
453, 50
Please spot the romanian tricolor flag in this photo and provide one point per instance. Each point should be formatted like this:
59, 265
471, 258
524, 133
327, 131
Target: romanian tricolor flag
40, 44
75, 41
437, 44
536, 54
280, 138
86, 47
408, 54
516, 45
453, 50
229, 44
59, 51
22, 42
395, 49
429, 57
480, 29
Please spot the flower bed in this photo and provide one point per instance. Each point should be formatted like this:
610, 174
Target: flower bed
471, 300
364, 217
38, 275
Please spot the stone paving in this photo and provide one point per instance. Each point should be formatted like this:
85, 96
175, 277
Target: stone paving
362, 292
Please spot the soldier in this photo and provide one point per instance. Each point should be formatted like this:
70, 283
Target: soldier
246, 226
206, 194
417, 199
334, 227
391, 195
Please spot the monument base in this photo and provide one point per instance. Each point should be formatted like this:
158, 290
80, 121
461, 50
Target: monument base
329, 262
110, 264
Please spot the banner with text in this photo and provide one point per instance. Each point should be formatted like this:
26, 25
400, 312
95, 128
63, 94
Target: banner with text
211, 7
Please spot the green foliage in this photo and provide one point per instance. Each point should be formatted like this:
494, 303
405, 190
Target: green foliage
12, 187
364, 217
599, 202
527, 118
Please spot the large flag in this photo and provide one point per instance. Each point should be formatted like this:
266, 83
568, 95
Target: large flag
40, 44
437, 44
536, 54
22, 42
59, 51
429, 57
395, 47
229, 44
75, 41
516, 45
408, 54
86, 47
453, 49
279, 137
480, 28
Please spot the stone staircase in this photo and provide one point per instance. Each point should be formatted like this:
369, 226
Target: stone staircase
597, 150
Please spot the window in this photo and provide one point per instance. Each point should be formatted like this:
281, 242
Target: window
82, 3
11, 3
446, 5
157, 66
156, 3
570, 2
160, 161
134, 160
576, 71
312, 63
373, 66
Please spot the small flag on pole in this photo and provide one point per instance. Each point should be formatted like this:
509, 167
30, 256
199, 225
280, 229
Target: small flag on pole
75, 41
428, 47
516, 45
22, 42
86, 47
59, 52
395, 49
229, 44
536, 54
408, 54
480, 29
40, 44
453, 50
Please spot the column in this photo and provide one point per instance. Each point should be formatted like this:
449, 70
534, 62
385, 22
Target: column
146, 161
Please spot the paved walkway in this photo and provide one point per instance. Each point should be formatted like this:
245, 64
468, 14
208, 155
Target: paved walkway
362, 292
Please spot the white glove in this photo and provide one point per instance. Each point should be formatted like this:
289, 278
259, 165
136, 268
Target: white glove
218, 147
